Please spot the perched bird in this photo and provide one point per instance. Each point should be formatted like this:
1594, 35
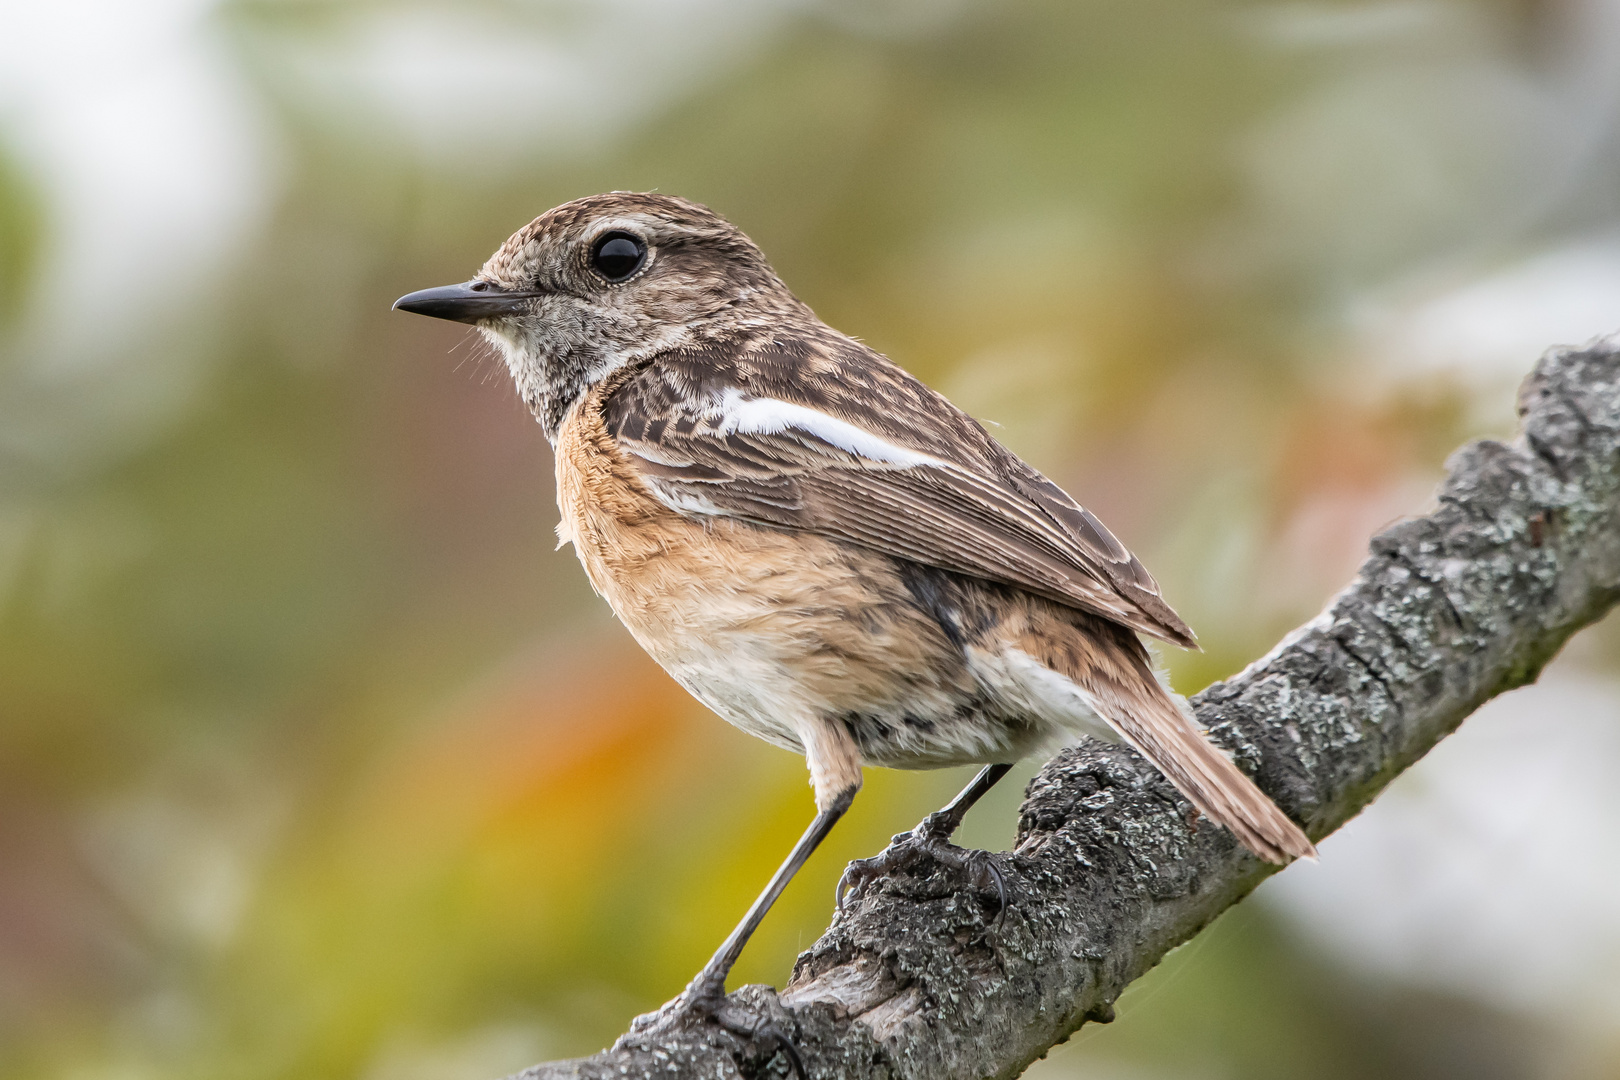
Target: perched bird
820, 548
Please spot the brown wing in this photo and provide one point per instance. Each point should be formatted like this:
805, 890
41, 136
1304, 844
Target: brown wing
824, 435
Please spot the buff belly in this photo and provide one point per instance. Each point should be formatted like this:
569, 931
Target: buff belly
807, 631
775, 631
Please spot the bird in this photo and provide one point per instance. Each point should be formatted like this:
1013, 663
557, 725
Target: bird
818, 546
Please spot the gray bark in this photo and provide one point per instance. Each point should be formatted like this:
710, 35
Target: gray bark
1107, 874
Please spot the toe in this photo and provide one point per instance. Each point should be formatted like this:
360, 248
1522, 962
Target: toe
850, 884
785, 1045
701, 1000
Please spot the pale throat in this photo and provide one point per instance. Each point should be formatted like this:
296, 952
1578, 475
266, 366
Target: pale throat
548, 381
554, 371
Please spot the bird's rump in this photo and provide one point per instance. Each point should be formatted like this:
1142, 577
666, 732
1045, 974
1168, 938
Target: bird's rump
822, 435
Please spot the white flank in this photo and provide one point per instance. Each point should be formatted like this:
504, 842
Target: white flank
1029, 686
769, 416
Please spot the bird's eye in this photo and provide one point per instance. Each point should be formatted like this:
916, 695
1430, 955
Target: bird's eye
618, 255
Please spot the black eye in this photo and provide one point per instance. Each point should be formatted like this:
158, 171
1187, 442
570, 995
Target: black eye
618, 255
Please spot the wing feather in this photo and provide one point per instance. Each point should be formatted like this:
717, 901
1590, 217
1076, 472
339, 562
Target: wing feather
826, 436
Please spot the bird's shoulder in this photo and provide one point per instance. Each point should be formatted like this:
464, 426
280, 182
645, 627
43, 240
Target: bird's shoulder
814, 369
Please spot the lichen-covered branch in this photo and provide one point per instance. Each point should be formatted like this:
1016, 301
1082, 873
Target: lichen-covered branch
918, 980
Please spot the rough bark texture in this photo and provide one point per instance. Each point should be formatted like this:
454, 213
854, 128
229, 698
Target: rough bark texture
1107, 876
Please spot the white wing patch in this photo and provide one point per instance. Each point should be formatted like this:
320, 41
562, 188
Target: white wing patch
735, 413
769, 416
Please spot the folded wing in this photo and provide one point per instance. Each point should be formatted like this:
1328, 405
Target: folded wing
829, 437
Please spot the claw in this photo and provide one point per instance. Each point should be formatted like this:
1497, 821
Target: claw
861, 872
786, 1045
1000, 883
850, 883
767, 1030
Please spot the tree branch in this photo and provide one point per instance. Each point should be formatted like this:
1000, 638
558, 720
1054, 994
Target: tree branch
1107, 876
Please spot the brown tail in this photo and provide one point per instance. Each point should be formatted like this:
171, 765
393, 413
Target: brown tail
1134, 703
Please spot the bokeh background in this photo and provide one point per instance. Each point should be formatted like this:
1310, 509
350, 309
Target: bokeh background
316, 759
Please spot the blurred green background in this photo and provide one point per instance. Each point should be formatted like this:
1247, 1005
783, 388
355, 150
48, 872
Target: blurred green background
317, 760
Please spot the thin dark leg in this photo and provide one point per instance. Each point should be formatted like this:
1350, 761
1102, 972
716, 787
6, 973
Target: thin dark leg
943, 823
710, 984
705, 996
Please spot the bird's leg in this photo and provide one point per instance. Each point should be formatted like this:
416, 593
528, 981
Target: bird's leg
943, 823
931, 839
705, 996
708, 989
835, 771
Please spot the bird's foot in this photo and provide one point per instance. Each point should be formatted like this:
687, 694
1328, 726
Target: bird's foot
700, 1002
912, 850
704, 1001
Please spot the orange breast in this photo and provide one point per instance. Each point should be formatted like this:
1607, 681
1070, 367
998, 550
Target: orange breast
765, 626
676, 582
618, 528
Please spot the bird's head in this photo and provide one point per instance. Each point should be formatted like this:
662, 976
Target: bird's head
604, 281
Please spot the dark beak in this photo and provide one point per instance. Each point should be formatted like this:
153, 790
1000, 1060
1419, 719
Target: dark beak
470, 302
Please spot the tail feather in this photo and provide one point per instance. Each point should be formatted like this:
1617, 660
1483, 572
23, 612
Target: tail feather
1146, 716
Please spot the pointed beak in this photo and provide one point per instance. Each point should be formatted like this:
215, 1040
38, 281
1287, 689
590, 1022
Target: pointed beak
470, 302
